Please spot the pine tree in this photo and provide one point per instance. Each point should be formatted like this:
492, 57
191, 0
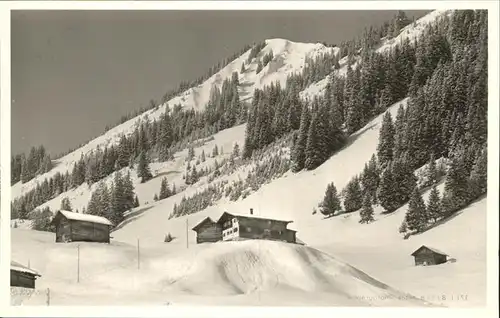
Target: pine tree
128, 191
143, 170
124, 153
431, 172
203, 158
478, 179
164, 189
385, 149
259, 67
404, 180
299, 156
66, 204
155, 197
353, 198
242, 67
314, 148
416, 215
434, 208
236, 150
366, 214
370, 178
456, 189
386, 190
118, 205
136, 202
331, 201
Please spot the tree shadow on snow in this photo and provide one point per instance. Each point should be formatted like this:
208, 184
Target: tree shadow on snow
132, 216
167, 173
449, 218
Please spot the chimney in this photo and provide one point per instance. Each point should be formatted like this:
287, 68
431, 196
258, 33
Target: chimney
251, 211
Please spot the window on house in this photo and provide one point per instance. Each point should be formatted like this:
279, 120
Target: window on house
235, 230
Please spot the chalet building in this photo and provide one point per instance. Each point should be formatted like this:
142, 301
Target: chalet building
425, 255
207, 231
22, 276
241, 227
73, 227
234, 227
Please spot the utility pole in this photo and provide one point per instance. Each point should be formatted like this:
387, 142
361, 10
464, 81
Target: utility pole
138, 256
48, 296
78, 266
187, 236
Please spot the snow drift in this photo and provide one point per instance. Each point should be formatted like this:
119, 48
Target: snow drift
216, 272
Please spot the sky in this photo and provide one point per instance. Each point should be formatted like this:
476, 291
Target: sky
75, 72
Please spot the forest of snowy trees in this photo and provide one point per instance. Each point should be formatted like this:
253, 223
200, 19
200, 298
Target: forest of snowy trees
443, 74
446, 117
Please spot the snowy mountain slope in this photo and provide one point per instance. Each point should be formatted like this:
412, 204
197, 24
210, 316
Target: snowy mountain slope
289, 57
239, 272
290, 197
377, 249
412, 32
172, 170
293, 196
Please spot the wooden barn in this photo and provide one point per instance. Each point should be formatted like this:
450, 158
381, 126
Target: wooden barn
22, 276
73, 227
425, 255
207, 231
241, 227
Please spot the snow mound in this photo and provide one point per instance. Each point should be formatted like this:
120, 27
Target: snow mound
235, 272
234, 268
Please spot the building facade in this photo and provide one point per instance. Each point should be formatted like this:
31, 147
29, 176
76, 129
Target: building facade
22, 276
73, 227
207, 231
425, 256
242, 227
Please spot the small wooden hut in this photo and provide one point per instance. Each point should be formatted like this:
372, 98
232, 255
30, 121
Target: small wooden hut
207, 231
22, 276
72, 227
426, 255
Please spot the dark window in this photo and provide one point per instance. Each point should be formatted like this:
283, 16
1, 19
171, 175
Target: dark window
235, 230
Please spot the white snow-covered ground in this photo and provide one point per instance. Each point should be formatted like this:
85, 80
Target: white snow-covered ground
221, 273
245, 273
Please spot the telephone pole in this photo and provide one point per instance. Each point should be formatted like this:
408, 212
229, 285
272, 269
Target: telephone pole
187, 236
138, 256
78, 265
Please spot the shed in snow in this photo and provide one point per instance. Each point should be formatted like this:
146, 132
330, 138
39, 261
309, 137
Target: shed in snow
22, 276
425, 255
207, 231
72, 227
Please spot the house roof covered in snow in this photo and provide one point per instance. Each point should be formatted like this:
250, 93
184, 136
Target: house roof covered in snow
15, 266
83, 217
199, 224
435, 250
252, 216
